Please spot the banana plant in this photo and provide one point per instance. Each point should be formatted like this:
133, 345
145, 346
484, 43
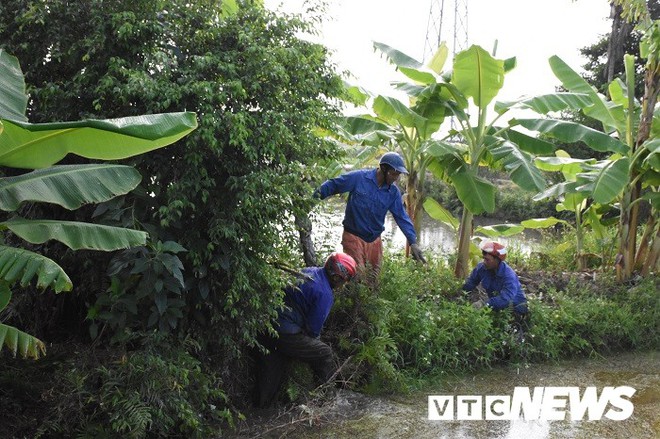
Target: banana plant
38, 147
477, 141
576, 194
631, 174
402, 126
455, 155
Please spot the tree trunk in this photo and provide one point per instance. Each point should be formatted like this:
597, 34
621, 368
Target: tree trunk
579, 237
464, 234
304, 226
651, 262
621, 29
645, 243
629, 203
413, 201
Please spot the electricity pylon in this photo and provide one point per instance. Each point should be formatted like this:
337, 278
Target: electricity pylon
448, 21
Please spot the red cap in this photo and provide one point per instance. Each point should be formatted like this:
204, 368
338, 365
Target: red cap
342, 265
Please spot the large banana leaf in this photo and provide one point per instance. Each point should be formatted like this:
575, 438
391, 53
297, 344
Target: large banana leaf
518, 165
69, 186
610, 114
653, 159
439, 213
573, 201
439, 149
541, 223
13, 100
476, 194
17, 264
433, 105
32, 146
21, 342
574, 132
567, 165
532, 145
619, 93
556, 191
361, 130
478, 75
362, 124
606, 184
5, 295
393, 110
437, 61
410, 67
357, 94
76, 235
17, 341
548, 103
497, 230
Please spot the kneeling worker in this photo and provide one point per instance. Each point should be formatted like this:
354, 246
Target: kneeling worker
299, 325
500, 282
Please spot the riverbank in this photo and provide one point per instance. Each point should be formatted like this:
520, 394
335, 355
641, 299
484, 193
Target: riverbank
351, 415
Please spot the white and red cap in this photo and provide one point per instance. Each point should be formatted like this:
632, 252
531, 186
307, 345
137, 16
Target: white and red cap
494, 248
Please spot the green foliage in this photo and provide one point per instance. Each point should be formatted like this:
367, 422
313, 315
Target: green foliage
162, 390
146, 292
229, 193
579, 323
426, 327
27, 146
515, 205
633, 166
557, 251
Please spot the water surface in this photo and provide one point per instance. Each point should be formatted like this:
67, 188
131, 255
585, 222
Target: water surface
435, 237
353, 415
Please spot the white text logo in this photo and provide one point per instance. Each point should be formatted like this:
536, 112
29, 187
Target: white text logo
539, 403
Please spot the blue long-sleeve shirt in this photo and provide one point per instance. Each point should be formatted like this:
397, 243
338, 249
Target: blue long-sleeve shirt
502, 285
368, 204
307, 305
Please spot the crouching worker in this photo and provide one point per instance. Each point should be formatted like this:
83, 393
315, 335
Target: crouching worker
299, 325
501, 284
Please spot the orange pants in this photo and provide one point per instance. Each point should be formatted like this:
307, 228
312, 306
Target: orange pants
367, 255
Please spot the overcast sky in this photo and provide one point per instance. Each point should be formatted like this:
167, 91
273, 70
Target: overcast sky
530, 30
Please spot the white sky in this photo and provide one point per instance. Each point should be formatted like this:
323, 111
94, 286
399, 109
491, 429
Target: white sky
530, 30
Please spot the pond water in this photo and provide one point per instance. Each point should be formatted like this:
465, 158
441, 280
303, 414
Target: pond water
435, 237
353, 415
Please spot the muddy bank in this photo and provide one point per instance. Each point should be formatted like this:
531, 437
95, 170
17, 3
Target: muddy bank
350, 415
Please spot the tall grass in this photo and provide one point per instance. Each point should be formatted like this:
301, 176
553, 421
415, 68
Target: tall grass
419, 323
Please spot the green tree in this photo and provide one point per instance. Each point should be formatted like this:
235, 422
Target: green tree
30, 146
476, 76
455, 156
631, 167
630, 176
229, 191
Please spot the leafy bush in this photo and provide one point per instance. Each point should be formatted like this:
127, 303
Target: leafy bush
161, 390
146, 291
423, 325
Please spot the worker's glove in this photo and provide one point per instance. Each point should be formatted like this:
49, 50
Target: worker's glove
417, 254
478, 304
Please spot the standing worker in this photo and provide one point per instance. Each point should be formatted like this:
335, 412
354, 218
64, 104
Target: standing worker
371, 194
299, 325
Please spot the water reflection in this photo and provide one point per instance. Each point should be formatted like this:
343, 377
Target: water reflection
405, 416
435, 237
